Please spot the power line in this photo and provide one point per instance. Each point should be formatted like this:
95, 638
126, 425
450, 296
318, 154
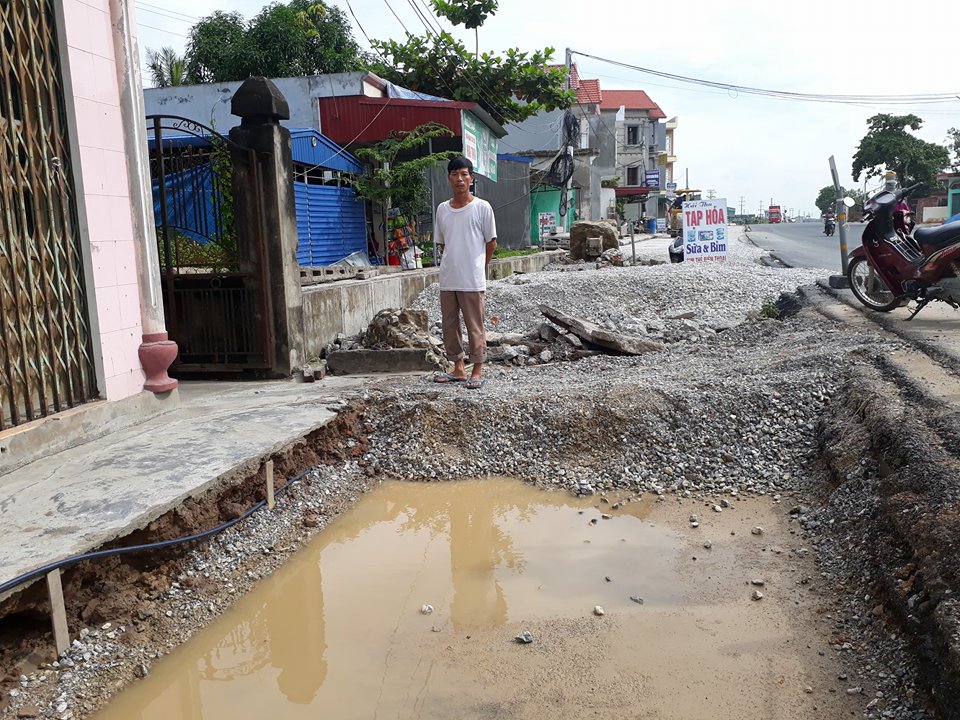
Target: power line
169, 32
923, 98
168, 16
387, 2
145, 5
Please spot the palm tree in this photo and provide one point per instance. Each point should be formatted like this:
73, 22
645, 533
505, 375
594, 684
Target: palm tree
166, 67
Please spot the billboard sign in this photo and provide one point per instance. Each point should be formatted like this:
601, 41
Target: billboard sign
479, 145
651, 178
705, 230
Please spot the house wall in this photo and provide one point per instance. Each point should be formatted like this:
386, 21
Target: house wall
103, 195
540, 132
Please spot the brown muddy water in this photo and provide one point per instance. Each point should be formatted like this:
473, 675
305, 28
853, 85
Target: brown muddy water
338, 632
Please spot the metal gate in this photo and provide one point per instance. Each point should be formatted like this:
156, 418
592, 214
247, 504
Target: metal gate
214, 293
46, 361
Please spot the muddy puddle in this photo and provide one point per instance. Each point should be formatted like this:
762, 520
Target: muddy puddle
339, 631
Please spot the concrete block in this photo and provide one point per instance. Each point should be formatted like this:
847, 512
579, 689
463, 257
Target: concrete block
839, 282
361, 362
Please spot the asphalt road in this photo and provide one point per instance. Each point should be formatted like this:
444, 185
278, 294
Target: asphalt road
804, 244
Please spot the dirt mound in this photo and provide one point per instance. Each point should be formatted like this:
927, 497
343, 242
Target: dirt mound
894, 460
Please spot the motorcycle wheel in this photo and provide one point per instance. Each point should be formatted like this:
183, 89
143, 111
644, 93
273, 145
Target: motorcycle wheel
869, 288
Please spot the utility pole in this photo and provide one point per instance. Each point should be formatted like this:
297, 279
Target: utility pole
741, 204
568, 149
711, 194
841, 211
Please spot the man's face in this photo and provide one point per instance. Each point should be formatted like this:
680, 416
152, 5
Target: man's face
460, 180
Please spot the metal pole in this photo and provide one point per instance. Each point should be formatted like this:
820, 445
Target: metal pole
633, 243
433, 210
841, 210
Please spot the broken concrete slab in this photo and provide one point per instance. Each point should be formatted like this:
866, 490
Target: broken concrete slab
593, 333
362, 362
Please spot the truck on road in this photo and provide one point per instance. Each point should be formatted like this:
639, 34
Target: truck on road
774, 214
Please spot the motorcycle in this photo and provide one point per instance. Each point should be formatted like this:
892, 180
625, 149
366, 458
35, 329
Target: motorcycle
829, 226
891, 267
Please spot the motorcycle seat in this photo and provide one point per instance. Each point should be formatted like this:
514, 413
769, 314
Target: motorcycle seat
933, 239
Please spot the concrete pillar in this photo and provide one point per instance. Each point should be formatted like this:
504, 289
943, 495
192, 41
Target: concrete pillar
157, 351
269, 214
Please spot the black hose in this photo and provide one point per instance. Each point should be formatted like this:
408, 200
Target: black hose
73, 560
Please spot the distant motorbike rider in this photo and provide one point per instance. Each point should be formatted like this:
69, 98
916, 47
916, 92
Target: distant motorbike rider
829, 222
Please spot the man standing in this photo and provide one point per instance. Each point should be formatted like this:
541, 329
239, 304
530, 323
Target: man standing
466, 234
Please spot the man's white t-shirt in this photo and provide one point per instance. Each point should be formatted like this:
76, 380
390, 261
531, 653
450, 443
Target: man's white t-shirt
464, 233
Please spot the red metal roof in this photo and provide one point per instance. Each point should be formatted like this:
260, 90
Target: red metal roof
362, 119
631, 100
589, 92
633, 190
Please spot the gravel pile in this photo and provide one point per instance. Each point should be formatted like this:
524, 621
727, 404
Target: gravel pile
639, 300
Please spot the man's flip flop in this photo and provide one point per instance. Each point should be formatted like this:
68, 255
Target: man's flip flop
447, 378
475, 383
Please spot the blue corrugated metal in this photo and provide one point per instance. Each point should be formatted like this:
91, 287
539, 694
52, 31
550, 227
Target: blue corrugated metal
313, 148
330, 223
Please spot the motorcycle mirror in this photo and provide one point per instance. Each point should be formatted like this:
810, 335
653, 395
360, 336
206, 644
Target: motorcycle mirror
849, 201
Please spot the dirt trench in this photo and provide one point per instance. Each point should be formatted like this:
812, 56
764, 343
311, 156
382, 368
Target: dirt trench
890, 448
117, 588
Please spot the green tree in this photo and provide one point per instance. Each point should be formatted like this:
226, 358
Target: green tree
827, 200
510, 87
403, 184
953, 145
301, 37
469, 13
888, 146
166, 67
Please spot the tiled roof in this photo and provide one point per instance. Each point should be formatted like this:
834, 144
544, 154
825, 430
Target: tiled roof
574, 74
631, 100
589, 92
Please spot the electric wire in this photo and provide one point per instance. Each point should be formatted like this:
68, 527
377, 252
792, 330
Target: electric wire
74, 559
922, 98
390, 7
145, 5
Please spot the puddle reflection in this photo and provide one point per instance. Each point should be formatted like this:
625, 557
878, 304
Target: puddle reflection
339, 629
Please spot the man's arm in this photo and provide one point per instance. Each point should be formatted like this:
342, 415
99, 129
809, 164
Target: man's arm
491, 246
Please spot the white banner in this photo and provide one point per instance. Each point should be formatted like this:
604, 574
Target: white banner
705, 230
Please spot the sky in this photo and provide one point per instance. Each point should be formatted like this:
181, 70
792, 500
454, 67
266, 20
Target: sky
748, 149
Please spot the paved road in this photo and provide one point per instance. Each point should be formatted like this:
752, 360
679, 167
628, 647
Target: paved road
804, 244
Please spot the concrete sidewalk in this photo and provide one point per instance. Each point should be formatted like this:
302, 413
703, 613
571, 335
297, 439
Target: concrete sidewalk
74, 501
935, 330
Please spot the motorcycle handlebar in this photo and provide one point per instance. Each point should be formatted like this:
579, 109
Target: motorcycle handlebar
908, 190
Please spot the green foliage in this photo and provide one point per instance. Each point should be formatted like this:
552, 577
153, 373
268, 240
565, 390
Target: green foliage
166, 67
405, 182
511, 87
469, 13
827, 199
301, 37
769, 310
888, 146
953, 145
504, 253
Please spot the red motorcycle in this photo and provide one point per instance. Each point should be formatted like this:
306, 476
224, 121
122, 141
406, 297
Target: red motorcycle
892, 267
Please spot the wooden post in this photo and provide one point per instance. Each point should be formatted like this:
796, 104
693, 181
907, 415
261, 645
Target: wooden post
58, 612
270, 498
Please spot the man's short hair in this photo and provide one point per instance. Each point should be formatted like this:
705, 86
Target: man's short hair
459, 163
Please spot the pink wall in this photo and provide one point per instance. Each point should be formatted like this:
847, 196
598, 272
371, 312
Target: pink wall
106, 195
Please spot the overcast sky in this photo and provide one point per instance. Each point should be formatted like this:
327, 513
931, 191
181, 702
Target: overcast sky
740, 146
